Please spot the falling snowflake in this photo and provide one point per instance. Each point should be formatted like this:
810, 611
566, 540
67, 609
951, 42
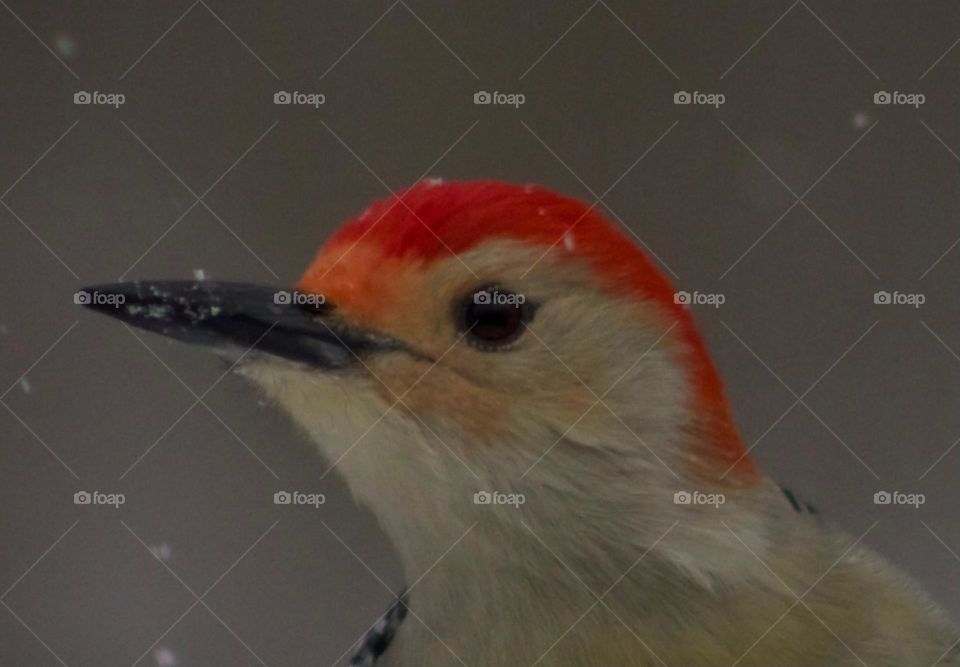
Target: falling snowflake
65, 45
162, 551
164, 657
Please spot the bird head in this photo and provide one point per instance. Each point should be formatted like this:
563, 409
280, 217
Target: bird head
473, 338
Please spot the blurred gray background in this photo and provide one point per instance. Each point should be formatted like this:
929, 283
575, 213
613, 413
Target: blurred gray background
797, 199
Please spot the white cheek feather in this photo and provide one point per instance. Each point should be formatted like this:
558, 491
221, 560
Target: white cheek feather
618, 468
389, 462
601, 466
600, 515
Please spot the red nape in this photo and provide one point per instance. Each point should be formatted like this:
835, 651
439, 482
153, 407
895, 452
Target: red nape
433, 219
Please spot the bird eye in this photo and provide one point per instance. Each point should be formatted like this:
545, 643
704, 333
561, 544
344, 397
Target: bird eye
494, 317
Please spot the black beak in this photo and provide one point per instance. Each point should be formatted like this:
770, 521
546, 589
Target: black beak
294, 325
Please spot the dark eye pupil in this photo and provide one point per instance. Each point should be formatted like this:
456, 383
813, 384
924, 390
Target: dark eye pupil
493, 316
493, 322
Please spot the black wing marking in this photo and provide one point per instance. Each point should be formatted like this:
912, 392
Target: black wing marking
378, 638
797, 504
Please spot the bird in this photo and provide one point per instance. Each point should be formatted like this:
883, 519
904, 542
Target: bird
514, 389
